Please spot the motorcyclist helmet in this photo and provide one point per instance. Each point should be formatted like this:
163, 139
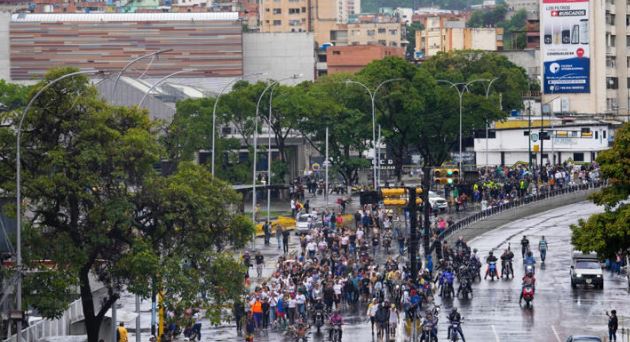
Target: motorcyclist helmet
490, 253
530, 274
474, 250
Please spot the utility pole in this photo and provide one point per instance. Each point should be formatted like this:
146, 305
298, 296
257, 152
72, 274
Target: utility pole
426, 186
413, 239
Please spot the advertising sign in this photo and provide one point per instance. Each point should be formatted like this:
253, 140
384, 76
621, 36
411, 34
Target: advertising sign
565, 48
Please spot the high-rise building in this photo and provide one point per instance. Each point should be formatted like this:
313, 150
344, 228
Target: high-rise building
585, 56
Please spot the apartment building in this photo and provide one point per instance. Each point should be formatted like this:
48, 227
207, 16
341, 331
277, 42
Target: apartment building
285, 16
585, 58
354, 58
443, 34
385, 34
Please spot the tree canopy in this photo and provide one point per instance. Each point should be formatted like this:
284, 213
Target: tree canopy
609, 232
98, 209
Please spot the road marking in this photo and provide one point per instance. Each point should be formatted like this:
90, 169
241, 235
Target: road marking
556, 333
496, 336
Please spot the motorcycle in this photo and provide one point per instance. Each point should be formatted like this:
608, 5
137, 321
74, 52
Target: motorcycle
454, 330
336, 333
529, 268
447, 290
299, 332
492, 271
429, 333
465, 288
528, 294
319, 320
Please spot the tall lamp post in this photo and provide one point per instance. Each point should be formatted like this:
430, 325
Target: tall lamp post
372, 94
271, 84
160, 81
18, 177
214, 112
487, 122
133, 61
461, 88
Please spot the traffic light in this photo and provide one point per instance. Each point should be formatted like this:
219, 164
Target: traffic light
398, 197
446, 176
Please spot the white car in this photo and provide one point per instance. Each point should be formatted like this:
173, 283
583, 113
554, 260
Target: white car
304, 223
586, 270
437, 203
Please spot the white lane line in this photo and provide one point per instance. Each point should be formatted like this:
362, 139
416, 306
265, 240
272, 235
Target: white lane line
496, 336
556, 333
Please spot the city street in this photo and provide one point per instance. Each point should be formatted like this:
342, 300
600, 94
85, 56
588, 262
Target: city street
494, 313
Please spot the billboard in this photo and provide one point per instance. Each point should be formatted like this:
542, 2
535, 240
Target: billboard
565, 46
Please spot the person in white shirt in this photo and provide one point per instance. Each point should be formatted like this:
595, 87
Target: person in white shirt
300, 300
311, 247
292, 304
337, 288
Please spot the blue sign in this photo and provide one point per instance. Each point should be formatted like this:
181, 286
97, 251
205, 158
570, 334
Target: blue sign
567, 76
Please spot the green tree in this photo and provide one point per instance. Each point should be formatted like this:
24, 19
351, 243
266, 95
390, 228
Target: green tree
341, 108
89, 181
608, 233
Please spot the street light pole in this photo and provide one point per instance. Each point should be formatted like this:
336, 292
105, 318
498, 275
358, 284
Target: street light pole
372, 94
487, 122
460, 93
255, 142
160, 82
214, 113
18, 178
131, 62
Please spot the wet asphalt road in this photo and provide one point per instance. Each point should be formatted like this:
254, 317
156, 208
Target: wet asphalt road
494, 313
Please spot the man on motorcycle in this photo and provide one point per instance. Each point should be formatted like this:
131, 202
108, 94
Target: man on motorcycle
446, 282
335, 320
506, 262
524, 246
530, 261
455, 317
528, 280
490, 259
429, 327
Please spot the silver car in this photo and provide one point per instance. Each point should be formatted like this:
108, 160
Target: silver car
437, 203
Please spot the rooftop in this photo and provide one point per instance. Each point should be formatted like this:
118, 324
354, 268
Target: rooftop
109, 17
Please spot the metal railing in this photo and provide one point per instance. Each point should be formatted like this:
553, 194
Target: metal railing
52, 327
518, 202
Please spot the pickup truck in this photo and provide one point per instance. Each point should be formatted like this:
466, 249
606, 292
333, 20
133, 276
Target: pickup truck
586, 270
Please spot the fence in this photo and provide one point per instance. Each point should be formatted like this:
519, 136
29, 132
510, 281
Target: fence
52, 327
518, 202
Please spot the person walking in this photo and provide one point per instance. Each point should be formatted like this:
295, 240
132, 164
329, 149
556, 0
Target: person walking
285, 241
267, 231
612, 325
122, 335
279, 235
542, 247
238, 310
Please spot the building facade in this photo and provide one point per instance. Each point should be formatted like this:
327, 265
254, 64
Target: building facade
433, 40
354, 58
285, 16
207, 44
279, 55
578, 140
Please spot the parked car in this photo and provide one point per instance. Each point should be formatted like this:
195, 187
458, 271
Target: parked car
578, 338
586, 270
304, 222
437, 203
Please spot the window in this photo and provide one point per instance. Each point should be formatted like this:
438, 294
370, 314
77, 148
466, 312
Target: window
371, 32
393, 32
596, 135
611, 61
611, 104
295, 22
578, 156
277, 11
604, 134
394, 44
336, 52
277, 23
382, 30
612, 83
610, 19
294, 10
266, 10
628, 20
303, 9
628, 41
382, 42
585, 130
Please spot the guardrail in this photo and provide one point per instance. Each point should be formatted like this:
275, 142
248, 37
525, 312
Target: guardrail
482, 215
51, 327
